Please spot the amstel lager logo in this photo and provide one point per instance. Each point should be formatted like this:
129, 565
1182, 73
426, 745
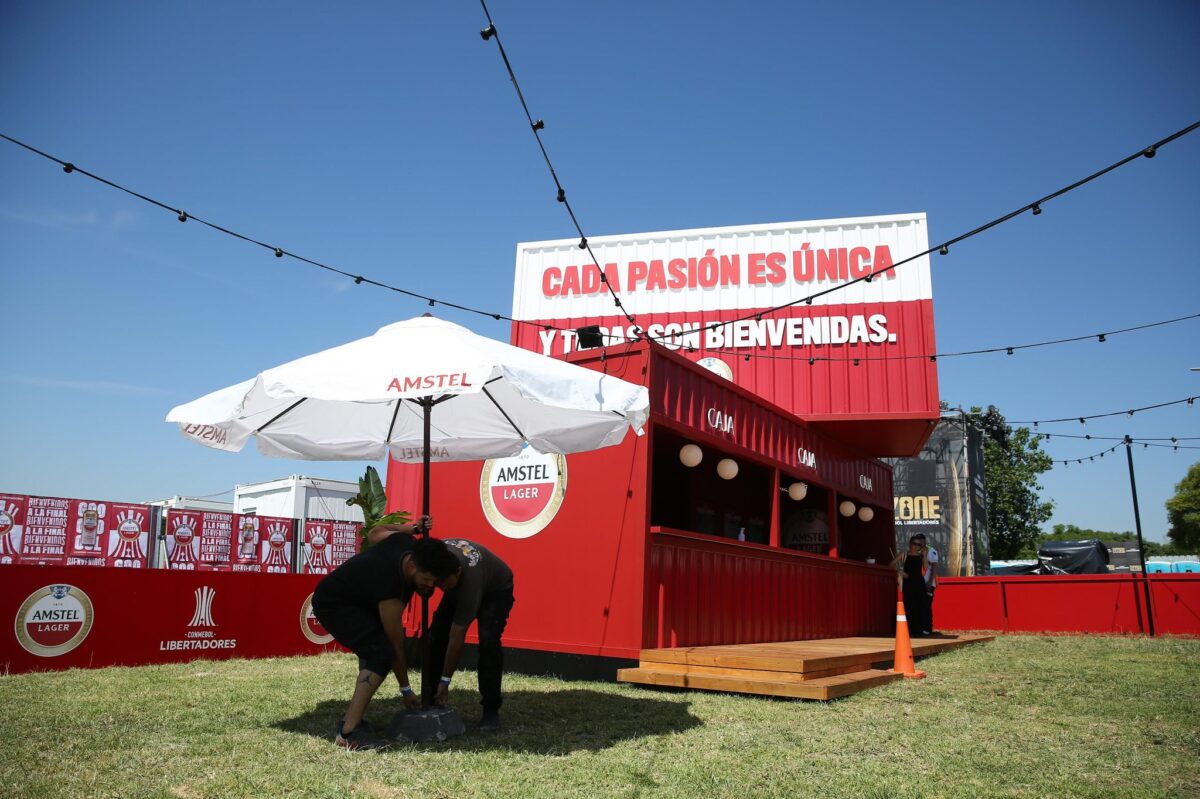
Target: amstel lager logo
717, 367
311, 626
522, 494
54, 620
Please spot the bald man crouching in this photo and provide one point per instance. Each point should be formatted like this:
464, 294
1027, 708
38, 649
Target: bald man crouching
361, 604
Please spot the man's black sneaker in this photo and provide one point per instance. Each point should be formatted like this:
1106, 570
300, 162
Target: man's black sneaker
360, 738
490, 723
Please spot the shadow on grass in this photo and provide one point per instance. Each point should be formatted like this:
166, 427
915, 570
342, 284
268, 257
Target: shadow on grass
544, 722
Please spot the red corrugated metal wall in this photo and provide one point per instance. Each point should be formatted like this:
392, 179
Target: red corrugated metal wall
686, 394
702, 591
887, 401
1076, 603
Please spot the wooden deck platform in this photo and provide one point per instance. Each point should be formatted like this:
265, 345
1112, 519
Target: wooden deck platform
821, 669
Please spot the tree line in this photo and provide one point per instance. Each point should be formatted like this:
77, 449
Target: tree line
1016, 511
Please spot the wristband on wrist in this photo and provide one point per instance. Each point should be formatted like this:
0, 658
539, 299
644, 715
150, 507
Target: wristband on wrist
445, 680
406, 690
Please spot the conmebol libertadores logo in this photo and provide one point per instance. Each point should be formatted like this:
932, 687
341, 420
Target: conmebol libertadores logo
522, 494
201, 633
54, 620
202, 617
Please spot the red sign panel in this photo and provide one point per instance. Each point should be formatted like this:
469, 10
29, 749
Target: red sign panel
75, 532
216, 541
107, 534
128, 536
262, 544
328, 544
12, 526
64, 617
198, 540
44, 540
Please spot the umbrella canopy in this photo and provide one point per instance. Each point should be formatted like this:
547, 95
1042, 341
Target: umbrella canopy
477, 397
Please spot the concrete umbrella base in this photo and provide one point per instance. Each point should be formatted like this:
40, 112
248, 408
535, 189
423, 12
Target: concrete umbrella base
425, 726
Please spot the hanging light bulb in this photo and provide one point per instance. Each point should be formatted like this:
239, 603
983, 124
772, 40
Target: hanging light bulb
866, 514
727, 468
846, 508
690, 455
797, 491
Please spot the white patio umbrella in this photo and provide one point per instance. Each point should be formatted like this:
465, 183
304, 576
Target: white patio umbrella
422, 390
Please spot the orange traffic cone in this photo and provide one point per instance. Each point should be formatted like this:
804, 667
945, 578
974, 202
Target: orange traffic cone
903, 663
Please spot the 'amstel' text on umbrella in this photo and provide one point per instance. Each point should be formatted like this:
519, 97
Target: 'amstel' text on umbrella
427, 382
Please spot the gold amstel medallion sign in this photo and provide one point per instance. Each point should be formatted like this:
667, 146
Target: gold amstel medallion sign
54, 620
521, 495
311, 626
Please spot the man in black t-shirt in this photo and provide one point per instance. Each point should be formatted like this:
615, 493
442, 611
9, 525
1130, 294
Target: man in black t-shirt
361, 604
481, 588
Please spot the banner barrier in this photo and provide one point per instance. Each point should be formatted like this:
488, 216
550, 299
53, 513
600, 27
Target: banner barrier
47, 531
57, 531
60, 617
1071, 603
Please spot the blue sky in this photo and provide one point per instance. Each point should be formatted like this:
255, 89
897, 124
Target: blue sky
385, 138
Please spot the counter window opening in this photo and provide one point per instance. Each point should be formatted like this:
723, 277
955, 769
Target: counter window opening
803, 523
866, 534
698, 499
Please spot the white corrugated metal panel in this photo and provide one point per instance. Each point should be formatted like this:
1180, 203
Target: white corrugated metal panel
299, 497
194, 503
753, 266
332, 505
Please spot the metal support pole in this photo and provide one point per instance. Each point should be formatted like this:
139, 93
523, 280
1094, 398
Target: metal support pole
427, 407
1137, 520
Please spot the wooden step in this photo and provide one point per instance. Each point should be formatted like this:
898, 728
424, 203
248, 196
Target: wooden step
822, 688
830, 656
818, 669
760, 674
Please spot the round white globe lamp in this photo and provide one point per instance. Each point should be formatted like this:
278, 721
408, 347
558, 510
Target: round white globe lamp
690, 455
797, 491
846, 508
727, 468
866, 514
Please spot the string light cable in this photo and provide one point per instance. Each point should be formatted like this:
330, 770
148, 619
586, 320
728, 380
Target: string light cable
1100, 337
279, 252
537, 126
1128, 412
1089, 457
944, 248
1134, 439
1069, 461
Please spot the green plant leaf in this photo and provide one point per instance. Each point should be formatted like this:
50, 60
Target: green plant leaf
372, 498
375, 493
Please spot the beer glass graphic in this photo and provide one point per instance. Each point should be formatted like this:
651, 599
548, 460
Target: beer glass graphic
90, 525
248, 540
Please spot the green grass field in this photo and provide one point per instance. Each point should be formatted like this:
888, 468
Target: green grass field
1019, 717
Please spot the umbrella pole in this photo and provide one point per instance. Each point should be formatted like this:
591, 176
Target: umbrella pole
427, 406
